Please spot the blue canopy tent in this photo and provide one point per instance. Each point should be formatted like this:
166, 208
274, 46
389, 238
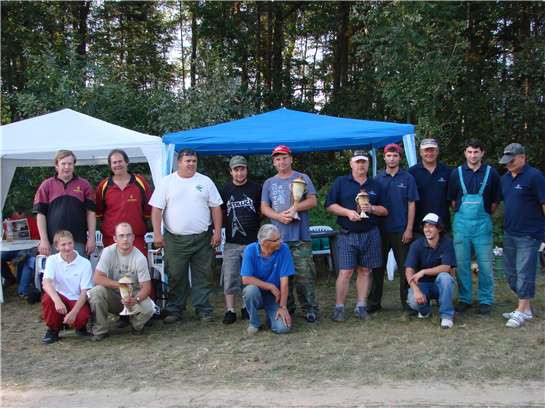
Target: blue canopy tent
301, 131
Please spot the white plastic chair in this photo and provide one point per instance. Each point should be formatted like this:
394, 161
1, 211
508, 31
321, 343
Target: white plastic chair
38, 271
157, 268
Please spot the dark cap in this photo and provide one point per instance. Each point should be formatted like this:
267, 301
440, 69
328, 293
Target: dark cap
237, 161
281, 149
359, 155
511, 151
427, 143
393, 147
433, 219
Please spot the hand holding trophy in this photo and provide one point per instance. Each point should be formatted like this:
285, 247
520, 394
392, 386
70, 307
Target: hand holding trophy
362, 199
298, 190
125, 288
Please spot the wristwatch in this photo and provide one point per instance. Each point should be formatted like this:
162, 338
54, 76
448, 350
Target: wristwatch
137, 299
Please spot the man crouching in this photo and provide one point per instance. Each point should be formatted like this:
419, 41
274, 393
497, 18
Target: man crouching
118, 260
266, 268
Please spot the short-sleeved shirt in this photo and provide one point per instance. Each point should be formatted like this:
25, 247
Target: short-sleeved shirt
242, 211
186, 203
65, 205
69, 278
433, 192
344, 191
268, 269
115, 265
277, 194
473, 181
524, 196
398, 191
128, 205
422, 256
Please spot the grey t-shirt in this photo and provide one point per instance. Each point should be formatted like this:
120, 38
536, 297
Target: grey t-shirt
115, 265
277, 194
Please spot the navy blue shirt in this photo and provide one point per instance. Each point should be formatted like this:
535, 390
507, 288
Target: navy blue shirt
422, 256
344, 191
398, 191
473, 181
523, 198
432, 189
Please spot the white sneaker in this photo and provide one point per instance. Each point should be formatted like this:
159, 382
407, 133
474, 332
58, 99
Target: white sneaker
421, 316
446, 323
251, 330
527, 315
516, 320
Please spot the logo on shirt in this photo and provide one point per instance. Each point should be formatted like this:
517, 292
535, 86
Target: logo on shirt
131, 199
199, 188
441, 180
371, 192
401, 185
518, 187
248, 204
78, 189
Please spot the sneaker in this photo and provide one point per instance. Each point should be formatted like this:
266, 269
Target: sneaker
516, 320
311, 317
171, 319
122, 322
338, 314
83, 333
251, 330
230, 317
462, 307
244, 314
424, 316
446, 323
527, 315
51, 336
485, 310
361, 313
99, 337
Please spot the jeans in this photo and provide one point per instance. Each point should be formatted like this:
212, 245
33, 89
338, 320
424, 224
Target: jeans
255, 299
520, 263
26, 275
441, 289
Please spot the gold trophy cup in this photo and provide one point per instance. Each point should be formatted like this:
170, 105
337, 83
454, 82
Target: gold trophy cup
125, 288
361, 199
298, 190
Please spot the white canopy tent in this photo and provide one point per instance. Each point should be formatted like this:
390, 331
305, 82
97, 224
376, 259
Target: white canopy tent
34, 142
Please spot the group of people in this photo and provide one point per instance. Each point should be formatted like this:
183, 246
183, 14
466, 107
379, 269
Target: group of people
407, 212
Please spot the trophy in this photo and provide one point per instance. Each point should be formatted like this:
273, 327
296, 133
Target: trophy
298, 190
361, 199
125, 288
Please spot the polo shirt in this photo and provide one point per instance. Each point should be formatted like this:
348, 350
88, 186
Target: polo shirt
398, 190
422, 256
65, 205
432, 189
268, 269
344, 191
128, 205
473, 181
69, 278
524, 196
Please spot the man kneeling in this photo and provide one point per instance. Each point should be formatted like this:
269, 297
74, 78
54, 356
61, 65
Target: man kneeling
118, 260
266, 268
427, 268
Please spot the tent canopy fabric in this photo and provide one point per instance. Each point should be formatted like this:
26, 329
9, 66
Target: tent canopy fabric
301, 131
34, 142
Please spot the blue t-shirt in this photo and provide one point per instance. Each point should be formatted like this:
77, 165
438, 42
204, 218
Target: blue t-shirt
277, 194
422, 256
268, 269
473, 181
432, 189
398, 190
523, 198
344, 191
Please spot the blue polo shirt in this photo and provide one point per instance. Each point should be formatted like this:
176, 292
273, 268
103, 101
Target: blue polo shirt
422, 256
398, 191
432, 189
344, 191
268, 269
473, 181
523, 198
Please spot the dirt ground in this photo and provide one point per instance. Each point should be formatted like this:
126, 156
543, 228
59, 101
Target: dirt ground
391, 360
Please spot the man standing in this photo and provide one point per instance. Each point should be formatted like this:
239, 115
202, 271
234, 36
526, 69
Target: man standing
241, 213
188, 203
358, 243
396, 231
523, 190
474, 191
123, 197
428, 264
66, 202
118, 260
431, 178
292, 219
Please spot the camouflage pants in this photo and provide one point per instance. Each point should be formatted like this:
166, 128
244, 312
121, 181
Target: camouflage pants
304, 280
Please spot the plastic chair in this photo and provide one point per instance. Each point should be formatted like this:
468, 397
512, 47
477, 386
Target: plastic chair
38, 271
157, 267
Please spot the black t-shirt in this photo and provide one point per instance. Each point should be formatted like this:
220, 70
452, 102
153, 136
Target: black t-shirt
241, 212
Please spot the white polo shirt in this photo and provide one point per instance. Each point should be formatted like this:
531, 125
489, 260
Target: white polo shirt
69, 278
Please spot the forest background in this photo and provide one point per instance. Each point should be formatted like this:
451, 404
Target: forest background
454, 69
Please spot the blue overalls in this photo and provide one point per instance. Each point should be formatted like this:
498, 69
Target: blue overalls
472, 227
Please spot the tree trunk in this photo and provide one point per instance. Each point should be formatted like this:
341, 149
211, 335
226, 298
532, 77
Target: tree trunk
182, 51
278, 46
193, 63
340, 67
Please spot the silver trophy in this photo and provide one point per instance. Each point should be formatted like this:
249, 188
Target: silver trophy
126, 289
362, 199
298, 190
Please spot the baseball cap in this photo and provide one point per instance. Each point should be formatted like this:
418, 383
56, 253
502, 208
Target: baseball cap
237, 161
281, 149
359, 155
393, 146
426, 143
511, 151
432, 218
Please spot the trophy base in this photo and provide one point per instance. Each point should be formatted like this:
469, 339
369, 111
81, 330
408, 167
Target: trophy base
363, 215
127, 312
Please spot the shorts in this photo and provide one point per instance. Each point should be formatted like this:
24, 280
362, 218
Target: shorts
359, 249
